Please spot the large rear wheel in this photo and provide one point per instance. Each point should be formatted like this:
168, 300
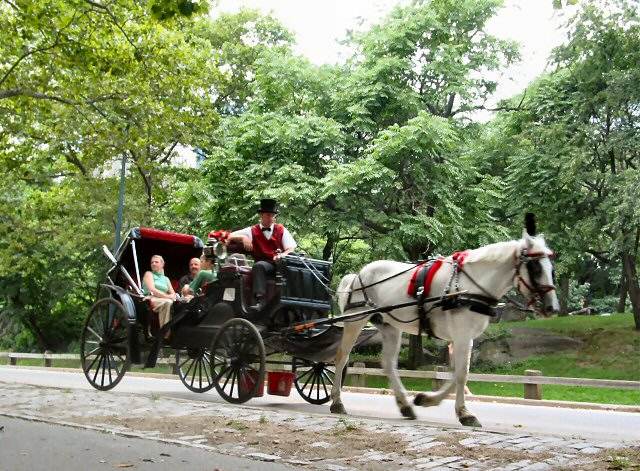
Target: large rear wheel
239, 358
195, 369
104, 346
314, 380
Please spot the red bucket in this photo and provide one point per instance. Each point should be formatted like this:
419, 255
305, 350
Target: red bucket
247, 381
280, 383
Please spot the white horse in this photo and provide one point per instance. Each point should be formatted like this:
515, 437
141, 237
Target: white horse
488, 271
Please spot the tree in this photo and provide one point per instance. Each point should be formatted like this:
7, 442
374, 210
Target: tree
82, 84
577, 160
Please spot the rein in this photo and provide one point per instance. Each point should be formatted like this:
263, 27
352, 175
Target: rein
361, 288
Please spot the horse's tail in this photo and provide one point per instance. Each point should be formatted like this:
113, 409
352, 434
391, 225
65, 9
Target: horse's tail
344, 290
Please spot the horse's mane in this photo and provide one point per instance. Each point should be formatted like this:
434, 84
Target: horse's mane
500, 252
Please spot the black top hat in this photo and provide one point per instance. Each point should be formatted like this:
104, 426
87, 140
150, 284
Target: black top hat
268, 205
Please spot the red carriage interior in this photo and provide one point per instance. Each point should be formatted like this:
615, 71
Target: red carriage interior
176, 249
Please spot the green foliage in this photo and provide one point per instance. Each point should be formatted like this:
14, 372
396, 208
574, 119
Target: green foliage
376, 158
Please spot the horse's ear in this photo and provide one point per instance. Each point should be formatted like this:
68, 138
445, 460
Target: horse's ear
530, 224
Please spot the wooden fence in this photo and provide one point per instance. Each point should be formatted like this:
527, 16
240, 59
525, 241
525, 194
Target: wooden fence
532, 379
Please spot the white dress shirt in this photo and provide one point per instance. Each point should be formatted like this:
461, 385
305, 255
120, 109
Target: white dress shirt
288, 241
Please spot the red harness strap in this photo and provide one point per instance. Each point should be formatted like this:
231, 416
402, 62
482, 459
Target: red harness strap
458, 257
433, 269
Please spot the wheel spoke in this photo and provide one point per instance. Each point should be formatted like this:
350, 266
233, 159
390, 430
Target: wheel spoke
186, 375
324, 385
115, 366
93, 352
309, 379
194, 363
185, 361
94, 333
208, 365
109, 364
228, 377
326, 375
93, 363
234, 375
303, 375
104, 365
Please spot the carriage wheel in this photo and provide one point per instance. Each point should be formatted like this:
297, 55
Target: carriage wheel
104, 346
239, 358
195, 369
314, 380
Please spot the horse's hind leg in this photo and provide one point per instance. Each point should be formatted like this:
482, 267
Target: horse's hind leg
350, 334
391, 338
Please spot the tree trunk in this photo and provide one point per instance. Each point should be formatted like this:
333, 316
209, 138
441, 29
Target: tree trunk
632, 285
327, 251
32, 325
416, 354
564, 295
622, 301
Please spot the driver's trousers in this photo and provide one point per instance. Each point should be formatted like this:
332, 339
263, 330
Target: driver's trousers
261, 272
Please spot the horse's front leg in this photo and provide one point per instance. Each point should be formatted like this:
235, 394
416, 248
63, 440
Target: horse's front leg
391, 339
350, 334
460, 363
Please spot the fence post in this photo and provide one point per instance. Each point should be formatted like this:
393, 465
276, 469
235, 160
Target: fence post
533, 391
48, 362
359, 380
13, 360
437, 383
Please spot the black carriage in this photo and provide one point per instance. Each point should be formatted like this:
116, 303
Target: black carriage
219, 341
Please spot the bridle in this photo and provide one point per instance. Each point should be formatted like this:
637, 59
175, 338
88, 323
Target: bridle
533, 288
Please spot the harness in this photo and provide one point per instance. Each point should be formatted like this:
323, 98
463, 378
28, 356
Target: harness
424, 273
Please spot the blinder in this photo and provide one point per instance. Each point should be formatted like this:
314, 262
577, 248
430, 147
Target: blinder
531, 260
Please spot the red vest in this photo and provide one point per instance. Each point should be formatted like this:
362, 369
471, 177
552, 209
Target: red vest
263, 248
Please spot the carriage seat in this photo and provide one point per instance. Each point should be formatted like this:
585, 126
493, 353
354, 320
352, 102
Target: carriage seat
305, 282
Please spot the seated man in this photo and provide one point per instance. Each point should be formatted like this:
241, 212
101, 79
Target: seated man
267, 242
194, 268
206, 275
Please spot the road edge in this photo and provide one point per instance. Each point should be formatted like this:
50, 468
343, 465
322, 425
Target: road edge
385, 391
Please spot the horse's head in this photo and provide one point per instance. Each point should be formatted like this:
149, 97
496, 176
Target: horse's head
534, 270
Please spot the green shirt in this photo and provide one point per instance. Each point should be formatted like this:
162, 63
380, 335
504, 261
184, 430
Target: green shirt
202, 278
161, 282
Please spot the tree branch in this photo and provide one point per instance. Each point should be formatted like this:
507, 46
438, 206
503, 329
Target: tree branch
167, 155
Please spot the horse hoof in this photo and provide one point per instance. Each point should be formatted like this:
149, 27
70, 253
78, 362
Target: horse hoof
470, 421
337, 408
407, 411
420, 399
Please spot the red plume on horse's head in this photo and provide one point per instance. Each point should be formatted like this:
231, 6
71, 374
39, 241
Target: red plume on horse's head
530, 223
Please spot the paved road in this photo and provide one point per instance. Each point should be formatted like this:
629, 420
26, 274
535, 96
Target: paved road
35, 446
623, 427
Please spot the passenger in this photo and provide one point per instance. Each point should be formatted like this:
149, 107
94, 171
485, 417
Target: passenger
206, 275
194, 268
267, 242
159, 290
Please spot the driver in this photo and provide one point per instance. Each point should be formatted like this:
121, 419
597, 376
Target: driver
267, 242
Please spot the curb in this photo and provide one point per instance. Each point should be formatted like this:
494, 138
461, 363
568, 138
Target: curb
389, 392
